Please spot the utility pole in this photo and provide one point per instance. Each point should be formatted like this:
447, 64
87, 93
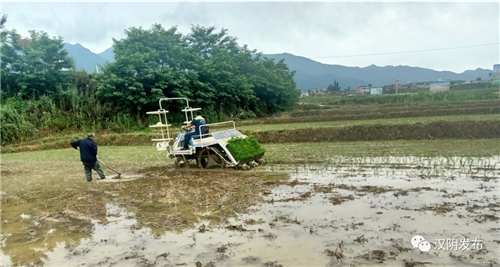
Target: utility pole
397, 85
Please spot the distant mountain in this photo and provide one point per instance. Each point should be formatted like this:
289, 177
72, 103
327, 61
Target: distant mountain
108, 55
311, 74
86, 59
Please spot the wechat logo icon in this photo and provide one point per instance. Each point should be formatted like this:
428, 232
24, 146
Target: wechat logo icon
419, 242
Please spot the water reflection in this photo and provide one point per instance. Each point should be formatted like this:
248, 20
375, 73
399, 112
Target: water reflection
355, 212
159, 203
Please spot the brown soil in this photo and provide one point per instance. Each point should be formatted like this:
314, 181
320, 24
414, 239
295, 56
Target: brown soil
334, 115
416, 131
337, 200
183, 196
438, 209
412, 263
221, 217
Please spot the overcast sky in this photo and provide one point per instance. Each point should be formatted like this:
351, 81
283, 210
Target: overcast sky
325, 32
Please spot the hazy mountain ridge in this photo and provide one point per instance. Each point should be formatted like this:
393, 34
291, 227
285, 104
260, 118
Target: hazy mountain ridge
311, 74
108, 55
86, 59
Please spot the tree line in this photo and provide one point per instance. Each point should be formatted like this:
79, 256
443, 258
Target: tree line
42, 93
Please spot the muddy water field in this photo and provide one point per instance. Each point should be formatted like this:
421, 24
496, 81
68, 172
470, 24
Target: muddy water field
347, 211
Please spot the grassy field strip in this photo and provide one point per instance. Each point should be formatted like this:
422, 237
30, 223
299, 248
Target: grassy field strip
334, 131
270, 127
364, 108
317, 152
277, 153
327, 102
466, 129
108, 154
476, 94
321, 117
394, 113
394, 121
360, 112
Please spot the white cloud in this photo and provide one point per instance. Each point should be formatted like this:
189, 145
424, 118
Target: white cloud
305, 29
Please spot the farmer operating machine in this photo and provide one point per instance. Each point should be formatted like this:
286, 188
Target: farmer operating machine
208, 149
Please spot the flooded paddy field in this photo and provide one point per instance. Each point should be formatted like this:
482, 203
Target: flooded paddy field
346, 211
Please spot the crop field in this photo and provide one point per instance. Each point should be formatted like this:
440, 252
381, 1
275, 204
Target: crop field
421, 97
378, 112
351, 185
475, 126
392, 121
315, 204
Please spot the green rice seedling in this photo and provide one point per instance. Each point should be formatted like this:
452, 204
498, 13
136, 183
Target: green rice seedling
245, 148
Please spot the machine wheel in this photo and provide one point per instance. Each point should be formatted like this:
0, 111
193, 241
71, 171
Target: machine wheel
208, 158
181, 163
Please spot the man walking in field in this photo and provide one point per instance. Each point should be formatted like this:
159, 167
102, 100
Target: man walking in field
88, 155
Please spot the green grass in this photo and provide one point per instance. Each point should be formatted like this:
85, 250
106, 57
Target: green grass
411, 97
107, 154
142, 138
26, 120
318, 152
324, 124
349, 109
279, 153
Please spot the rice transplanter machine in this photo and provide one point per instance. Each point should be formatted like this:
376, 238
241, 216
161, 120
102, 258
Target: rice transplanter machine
206, 150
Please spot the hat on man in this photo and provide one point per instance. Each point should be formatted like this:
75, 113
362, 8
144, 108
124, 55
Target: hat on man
91, 134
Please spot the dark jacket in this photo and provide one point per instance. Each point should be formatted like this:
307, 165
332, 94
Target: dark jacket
197, 122
88, 149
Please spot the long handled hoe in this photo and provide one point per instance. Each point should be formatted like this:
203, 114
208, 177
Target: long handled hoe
119, 174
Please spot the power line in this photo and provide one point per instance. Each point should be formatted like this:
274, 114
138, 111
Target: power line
413, 51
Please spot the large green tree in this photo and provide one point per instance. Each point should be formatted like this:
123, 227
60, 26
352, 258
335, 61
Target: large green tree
223, 70
33, 66
206, 66
335, 88
274, 86
149, 64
